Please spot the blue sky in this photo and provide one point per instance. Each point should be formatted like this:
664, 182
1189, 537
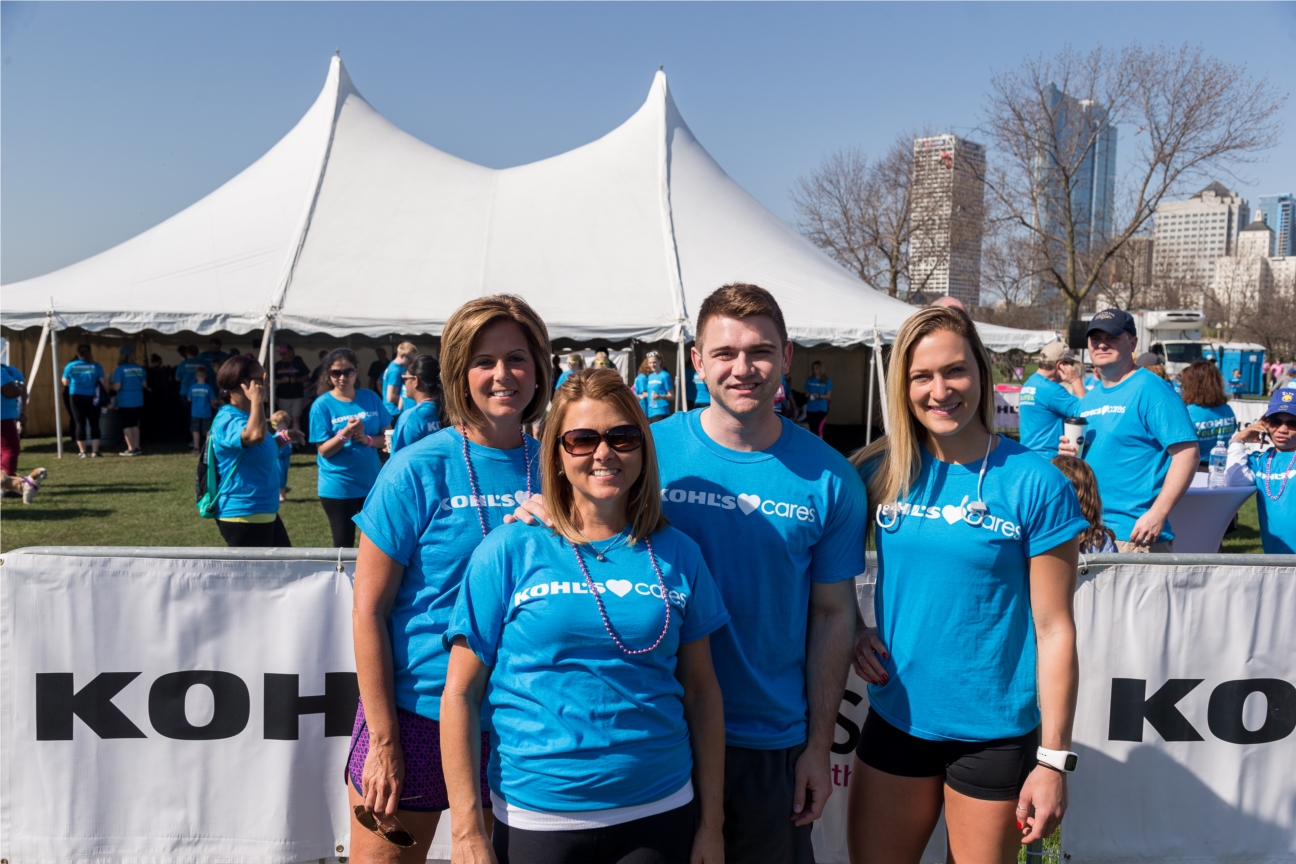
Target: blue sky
114, 116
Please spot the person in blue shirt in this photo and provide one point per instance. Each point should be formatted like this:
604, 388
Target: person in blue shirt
1140, 441
128, 381
1048, 397
1236, 384
246, 457
392, 383
423, 385
200, 396
950, 725
213, 358
1271, 470
575, 363
654, 388
346, 425
186, 372
433, 503
699, 396
589, 645
818, 388
778, 514
1208, 408
82, 378
13, 392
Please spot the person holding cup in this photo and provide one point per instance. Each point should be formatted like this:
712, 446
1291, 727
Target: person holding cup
1048, 397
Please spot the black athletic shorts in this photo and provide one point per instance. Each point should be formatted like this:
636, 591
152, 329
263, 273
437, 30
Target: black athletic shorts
986, 770
129, 418
758, 829
666, 838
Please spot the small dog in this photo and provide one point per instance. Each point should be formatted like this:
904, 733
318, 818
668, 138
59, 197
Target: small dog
26, 486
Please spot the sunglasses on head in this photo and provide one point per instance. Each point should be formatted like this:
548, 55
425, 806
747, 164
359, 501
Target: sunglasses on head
583, 442
397, 836
342, 373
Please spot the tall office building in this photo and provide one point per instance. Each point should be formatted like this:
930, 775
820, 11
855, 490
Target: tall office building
1192, 235
1277, 212
948, 217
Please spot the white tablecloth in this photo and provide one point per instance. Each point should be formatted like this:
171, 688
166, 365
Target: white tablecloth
1200, 517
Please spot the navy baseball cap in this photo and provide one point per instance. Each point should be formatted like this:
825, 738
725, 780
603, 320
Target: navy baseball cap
1112, 322
1282, 402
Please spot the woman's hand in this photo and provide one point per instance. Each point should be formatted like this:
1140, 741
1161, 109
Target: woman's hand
1042, 803
868, 648
708, 846
1066, 447
382, 778
1253, 434
253, 390
355, 429
296, 436
476, 849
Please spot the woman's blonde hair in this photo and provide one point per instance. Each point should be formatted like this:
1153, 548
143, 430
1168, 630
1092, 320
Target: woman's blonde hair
899, 451
461, 331
576, 361
1086, 487
643, 502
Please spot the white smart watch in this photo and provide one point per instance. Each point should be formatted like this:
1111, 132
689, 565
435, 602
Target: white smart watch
1061, 760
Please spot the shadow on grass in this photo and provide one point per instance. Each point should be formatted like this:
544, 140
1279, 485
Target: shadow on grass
106, 488
35, 514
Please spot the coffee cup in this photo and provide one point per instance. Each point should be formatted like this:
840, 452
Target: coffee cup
387, 436
1074, 429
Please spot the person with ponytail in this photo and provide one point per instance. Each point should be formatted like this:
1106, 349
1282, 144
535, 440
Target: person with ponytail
972, 666
423, 385
431, 506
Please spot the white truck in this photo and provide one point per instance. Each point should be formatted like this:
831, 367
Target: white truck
1174, 334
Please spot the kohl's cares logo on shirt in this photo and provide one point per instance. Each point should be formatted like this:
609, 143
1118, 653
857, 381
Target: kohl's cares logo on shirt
340, 420
1105, 409
746, 502
614, 587
508, 499
953, 514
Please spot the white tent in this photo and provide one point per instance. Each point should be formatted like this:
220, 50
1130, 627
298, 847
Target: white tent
349, 225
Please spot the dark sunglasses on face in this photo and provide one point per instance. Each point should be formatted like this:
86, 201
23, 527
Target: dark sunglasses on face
1276, 420
583, 442
342, 373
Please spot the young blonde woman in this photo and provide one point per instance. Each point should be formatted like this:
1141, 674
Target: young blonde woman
590, 643
430, 508
977, 546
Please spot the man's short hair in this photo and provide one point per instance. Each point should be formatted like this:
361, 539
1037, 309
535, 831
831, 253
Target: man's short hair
741, 300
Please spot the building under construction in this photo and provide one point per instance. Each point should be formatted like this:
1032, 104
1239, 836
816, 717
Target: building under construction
948, 218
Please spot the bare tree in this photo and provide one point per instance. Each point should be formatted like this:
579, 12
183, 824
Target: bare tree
1052, 123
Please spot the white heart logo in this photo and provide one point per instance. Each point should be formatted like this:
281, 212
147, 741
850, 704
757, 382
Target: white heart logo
519, 497
952, 513
748, 503
619, 587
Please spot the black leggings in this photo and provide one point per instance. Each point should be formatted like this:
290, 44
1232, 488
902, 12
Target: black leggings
84, 411
339, 512
815, 420
666, 838
254, 533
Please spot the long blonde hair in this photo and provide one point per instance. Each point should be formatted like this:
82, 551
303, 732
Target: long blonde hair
899, 451
643, 502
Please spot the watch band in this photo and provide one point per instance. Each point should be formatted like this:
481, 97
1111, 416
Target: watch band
1059, 760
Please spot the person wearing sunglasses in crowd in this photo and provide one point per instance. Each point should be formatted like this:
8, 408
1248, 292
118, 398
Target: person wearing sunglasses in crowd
422, 385
589, 642
346, 425
247, 459
434, 502
972, 665
1271, 470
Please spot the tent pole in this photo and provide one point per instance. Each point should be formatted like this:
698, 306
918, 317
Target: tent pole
40, 353
679, 377
58, 391
868, 423
880, 368
270, 326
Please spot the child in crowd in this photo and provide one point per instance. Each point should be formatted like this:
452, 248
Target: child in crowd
200, 395
281, 421
1099, 538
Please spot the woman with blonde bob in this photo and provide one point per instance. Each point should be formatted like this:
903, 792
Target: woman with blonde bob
977, 544
589, 641
433, 503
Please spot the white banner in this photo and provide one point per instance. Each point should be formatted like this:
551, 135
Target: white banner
1007, 399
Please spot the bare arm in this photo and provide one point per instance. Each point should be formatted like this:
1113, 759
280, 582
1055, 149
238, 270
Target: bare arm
704, 712
393, 394
461, 701
377, 579
255, 430
1183, 465
829, 646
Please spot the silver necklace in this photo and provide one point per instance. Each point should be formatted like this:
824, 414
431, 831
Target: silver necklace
602, 555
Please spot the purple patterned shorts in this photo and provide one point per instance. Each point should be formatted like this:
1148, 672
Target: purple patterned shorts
424, 790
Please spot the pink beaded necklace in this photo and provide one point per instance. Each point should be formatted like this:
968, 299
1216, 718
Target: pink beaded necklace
607, 625
472, 475
1269, 475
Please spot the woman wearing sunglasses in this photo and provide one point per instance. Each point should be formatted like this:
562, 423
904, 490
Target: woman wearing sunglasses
423, 385
590, 644
346, 426
433, 504
1271, 470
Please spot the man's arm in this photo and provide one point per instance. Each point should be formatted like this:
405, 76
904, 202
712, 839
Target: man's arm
830, 640
1184, 458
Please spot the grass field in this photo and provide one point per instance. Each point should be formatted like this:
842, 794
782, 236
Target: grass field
149, 501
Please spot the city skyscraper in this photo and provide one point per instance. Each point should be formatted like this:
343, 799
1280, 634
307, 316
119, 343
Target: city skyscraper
948, 217
1192, 235
1278, 212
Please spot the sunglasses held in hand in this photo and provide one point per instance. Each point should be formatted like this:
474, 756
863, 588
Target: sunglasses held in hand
397, 836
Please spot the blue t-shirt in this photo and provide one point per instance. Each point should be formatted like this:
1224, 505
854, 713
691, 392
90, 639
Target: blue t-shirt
953, 600
418, 422
816, 393
1044, 406
769, 524
1130, 426
200, 399
254, 488
392, 378
131, 378
81, 377
9, 409
1277, 518
701, 394
651, 389
577, 724
213, 361
1212, 424
185, 374
562, 379
420, 513
350, 472
285, 460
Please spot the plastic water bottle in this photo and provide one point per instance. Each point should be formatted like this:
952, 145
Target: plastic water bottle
1218, 458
